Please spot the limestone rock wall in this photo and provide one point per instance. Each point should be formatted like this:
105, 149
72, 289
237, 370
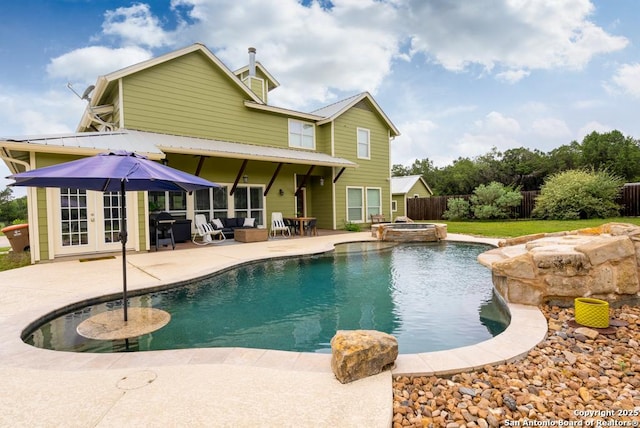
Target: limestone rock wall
602, 262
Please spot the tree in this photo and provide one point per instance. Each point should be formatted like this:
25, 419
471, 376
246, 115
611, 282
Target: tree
614, 152
579, 194
460, 178
523, 168
398, 170
494, 201
12, 209
564, 158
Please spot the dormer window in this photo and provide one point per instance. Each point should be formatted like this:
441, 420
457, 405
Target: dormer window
301, 134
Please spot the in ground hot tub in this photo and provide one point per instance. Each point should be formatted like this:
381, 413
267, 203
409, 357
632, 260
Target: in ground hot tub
409, 232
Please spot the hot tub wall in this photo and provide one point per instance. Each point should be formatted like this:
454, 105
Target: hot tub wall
409, 232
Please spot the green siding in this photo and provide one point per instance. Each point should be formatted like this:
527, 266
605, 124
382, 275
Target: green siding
191, 96
43, 224
418, 189
373, 172
142, 220
224, 171
257, 86
400, 205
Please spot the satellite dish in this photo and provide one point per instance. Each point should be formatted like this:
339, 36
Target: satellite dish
85, 94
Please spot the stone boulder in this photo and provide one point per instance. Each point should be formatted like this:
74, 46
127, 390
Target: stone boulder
356, 354
601, 262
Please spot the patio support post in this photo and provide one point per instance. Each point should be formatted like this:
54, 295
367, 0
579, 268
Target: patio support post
123, 239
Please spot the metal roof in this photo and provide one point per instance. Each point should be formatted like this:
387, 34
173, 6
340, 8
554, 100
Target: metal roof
155, 146
84, 143
227, 149
335, 108
405, 183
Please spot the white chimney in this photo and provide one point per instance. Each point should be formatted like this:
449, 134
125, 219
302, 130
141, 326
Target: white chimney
252, 61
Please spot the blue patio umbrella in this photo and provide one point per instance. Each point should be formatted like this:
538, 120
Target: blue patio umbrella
117, 171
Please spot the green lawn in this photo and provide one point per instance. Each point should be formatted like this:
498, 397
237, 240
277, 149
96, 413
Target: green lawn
13, 260
513, 228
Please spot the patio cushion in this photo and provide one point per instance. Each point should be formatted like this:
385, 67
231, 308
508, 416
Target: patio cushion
231, 222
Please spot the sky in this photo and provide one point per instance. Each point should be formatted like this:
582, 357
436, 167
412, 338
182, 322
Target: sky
457, 78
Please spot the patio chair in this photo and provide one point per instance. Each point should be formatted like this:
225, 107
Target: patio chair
310, 228
206, 232
292, 225
277, 225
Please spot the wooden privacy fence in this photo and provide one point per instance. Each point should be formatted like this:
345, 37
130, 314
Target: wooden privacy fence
432, 208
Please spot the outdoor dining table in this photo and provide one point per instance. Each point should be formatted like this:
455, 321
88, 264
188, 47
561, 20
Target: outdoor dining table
301, 221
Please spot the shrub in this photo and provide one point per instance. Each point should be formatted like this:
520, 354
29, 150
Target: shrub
494, 201
351, 227
457, 209
578, 194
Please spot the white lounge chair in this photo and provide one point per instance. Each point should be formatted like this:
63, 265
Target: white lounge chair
206, 232
277, 225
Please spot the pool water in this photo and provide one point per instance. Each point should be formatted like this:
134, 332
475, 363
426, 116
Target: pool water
429, 296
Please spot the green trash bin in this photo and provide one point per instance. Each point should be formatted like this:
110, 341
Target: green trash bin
18, 236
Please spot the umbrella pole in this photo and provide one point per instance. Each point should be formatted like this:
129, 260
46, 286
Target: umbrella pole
123, 239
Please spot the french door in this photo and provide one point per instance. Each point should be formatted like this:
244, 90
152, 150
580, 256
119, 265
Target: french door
88, 221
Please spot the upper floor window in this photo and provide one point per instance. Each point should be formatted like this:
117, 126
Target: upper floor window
301, 134
364, 146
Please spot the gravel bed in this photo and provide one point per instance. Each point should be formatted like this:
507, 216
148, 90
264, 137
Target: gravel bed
577, 376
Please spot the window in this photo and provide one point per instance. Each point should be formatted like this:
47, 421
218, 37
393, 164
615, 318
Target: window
374, 200
355, 204
301, 134
363, 144
213, 203
249, 202
175, 203
394, 206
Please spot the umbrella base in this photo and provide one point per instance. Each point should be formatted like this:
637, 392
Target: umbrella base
111, 325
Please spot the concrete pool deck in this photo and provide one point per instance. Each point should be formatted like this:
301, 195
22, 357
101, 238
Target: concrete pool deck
220, 387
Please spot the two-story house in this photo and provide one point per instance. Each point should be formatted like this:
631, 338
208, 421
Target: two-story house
188, 110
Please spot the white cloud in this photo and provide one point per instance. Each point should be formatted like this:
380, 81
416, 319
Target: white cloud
86, 64
512, 76
518, 35
26, 113
23, 112
587, 104
136, 25
590, 127
321, 53
415, 142
472, 145
627, 78
550, 127
327, 53
497, 123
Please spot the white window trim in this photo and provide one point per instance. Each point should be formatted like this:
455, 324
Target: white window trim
362, 208
368, 143
289, 134
394, 206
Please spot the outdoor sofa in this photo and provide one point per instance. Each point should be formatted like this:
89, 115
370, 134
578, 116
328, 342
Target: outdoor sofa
229, 225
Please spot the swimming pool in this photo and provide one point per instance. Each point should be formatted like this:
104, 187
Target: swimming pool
430, 296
